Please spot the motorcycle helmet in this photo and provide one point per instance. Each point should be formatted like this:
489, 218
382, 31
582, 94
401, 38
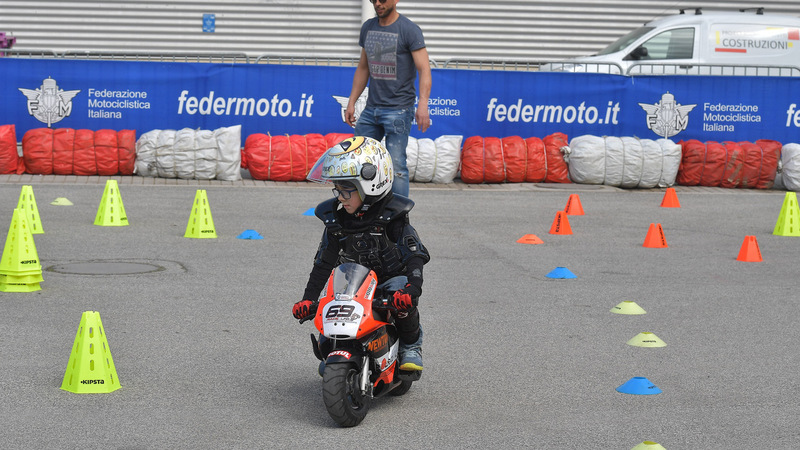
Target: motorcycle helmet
360, 161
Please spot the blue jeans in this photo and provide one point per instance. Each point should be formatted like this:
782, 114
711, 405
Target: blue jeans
394, 125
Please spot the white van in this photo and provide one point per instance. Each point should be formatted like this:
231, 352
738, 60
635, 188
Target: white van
703, 43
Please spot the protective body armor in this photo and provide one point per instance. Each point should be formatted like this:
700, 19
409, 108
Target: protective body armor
371, 245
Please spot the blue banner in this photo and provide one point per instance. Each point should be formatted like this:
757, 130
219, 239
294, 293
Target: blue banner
295, 99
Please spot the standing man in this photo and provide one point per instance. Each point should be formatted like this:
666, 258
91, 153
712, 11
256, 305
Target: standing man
392, 52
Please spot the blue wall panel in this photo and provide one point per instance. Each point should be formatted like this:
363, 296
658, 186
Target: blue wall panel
293, 99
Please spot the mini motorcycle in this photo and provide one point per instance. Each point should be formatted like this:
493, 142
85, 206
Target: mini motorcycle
358, 345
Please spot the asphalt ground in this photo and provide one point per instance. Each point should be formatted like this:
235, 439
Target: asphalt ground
208, 355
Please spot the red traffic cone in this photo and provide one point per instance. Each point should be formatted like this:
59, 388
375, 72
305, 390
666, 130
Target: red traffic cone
560, 224
749, 251
670, 199
574, 207
655, 237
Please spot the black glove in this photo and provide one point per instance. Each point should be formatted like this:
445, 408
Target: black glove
304, 308
406, 298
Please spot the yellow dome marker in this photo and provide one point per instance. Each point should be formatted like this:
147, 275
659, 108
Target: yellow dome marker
646, 339
649, 445
61, 201
628, 307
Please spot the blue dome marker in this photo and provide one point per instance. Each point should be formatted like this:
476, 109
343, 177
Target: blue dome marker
561, 273
639, 386
250, 234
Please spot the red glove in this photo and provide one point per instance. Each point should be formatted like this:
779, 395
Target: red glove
406, 298
303, 308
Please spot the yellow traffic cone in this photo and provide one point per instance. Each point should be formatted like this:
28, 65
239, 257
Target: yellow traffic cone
789, 218
111, 212
27, 204
201, 224
90, 369
20, 270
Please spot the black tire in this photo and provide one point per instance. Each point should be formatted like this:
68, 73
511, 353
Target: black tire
402, 389
343, 399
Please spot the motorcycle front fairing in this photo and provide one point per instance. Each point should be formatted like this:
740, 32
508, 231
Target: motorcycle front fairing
345, 309
341, 319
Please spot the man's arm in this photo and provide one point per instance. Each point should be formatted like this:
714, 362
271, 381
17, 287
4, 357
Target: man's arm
424, 69
359, 83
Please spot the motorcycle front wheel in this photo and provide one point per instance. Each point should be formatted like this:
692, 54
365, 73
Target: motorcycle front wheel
343, 398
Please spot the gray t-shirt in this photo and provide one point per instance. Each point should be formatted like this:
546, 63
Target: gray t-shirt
391, 67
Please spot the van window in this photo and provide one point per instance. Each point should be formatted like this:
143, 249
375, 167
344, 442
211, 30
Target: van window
672, 44
625, 41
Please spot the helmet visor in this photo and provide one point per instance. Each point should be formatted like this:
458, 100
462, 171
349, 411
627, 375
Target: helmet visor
315, 174
337, 163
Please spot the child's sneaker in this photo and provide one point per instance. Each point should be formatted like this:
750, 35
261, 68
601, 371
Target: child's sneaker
411, 355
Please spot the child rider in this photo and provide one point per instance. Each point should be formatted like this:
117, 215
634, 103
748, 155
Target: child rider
367, 224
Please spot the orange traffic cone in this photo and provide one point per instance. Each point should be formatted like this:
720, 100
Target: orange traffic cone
655, 237
749, 251
530, 239
560, 224
670, 199
574, 207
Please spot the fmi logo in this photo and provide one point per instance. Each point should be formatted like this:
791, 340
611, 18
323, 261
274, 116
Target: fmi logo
667, 118
361, 103
48, 103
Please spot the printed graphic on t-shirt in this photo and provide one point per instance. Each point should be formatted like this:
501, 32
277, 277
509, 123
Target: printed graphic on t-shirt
381, 48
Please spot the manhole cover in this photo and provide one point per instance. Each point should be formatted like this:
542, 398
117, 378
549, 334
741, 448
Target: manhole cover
105, 268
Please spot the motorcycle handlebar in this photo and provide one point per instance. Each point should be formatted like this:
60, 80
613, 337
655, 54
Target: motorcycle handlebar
311, 313
307, 318
384, 304
378, 303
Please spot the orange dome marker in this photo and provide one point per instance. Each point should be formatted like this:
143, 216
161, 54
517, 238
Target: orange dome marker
530, 239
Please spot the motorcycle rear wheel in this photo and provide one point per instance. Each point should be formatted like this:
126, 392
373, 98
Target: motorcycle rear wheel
345, 402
